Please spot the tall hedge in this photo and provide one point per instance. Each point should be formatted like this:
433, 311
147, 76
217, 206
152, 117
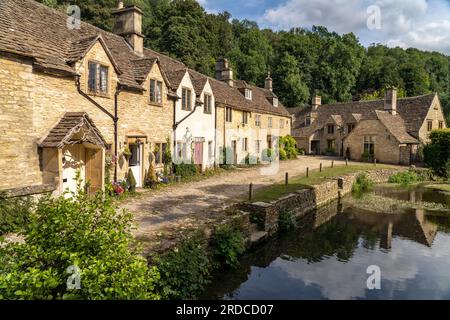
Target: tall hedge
437, 152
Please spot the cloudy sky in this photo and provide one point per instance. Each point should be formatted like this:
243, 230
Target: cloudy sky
423, 24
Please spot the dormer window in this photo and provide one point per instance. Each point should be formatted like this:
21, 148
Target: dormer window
307, 121
275, 102
248, 94
207, 104
98, 78
186, 99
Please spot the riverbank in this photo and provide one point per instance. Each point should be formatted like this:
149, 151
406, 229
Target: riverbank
189, 255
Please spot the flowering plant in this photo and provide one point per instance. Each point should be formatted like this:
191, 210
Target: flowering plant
118, 189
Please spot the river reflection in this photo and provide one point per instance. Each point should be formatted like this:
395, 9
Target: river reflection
328, 256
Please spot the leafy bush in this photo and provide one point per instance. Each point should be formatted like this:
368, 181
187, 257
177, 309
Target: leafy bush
330, 151
437, 153
404, 178
362, 184
185, 270
366, 157
287, 148
251, 160
85, 232
185, 170
283, 155
131, 181
287, 221
14, 214
228, 245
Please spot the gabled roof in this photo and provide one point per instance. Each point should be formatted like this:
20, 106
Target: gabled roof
80, 47
396, 126
199, 85
70, 125
175, 77
412, 110
142, 67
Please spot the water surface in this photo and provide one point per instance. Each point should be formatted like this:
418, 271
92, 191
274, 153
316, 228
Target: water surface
328, 256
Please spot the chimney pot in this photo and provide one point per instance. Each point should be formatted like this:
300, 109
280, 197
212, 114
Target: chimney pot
120, 4
224, 72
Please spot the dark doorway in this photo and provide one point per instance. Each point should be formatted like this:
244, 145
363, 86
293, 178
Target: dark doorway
315, 147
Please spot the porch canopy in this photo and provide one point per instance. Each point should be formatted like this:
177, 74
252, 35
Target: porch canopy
74, 128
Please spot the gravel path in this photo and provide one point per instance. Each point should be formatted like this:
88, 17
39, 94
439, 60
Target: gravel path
183, 204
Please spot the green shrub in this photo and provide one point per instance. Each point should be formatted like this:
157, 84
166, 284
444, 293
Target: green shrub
405, 178
366, 157
283, 155
362, 184
287, 148
150, 179
14, 214
86, 232
287, 221
131, 181
185, 170
228, 244
437, 152
330, 151
185, 270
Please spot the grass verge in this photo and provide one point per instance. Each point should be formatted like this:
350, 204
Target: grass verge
279, 190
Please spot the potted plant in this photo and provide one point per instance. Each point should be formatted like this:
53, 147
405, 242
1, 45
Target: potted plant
131, 181
127, 153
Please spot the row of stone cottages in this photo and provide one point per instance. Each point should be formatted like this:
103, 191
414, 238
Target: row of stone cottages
389, 130
69, 94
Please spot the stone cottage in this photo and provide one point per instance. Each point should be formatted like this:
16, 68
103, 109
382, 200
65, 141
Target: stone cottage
391, 130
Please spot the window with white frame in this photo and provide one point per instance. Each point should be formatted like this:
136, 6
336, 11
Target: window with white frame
248, 94
270, 122
244, 117
275, 102
281, 123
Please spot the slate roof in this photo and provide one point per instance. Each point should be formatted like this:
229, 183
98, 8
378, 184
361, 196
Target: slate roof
33, 30
412, 111
175, 77
69, 125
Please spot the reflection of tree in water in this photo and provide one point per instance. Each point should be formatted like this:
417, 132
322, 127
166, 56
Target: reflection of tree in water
334, 238
442, 220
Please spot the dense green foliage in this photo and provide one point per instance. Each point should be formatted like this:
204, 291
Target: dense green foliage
131, 181
84, 233
437, 153
408, 177
14, 214
185, 270
362, 184
302, 62
287, 148
228, 244
185, 170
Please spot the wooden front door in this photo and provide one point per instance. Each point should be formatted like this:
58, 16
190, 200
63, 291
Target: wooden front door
94, 170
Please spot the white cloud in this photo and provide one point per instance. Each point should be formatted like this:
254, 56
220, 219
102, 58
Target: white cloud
406, 23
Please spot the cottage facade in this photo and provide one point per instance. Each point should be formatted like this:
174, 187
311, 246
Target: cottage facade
77, 100
391, 130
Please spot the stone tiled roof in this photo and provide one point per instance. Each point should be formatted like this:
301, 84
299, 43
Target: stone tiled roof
199, 84
396, 126
31, 29
71, 124
175, 77
412, 111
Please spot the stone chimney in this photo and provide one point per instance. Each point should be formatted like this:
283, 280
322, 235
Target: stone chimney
128, 24
390, 100
268, 83
224, 72
316, 102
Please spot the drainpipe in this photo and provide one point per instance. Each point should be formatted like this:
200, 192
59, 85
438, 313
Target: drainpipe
114, 116
176, 124
116, 130
215, 135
